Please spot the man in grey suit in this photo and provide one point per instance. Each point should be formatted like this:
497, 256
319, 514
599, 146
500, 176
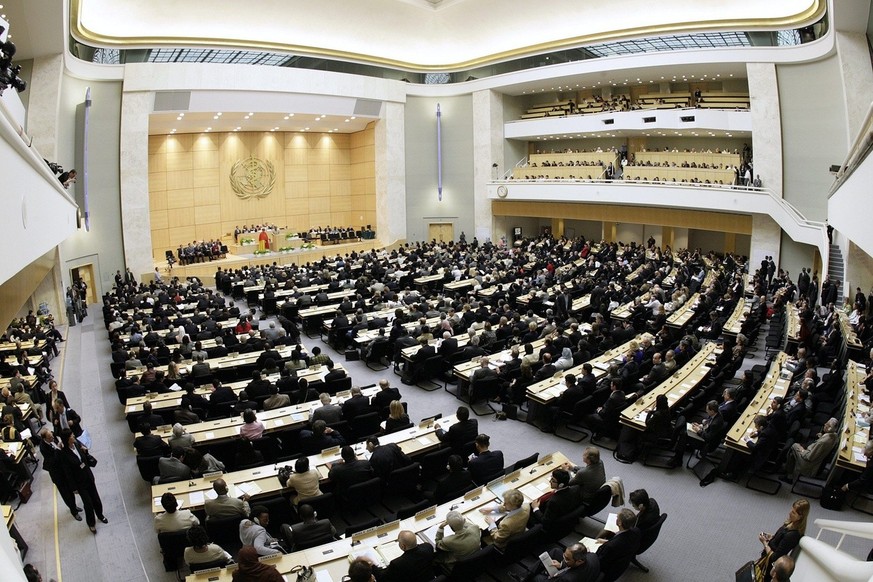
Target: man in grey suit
807, 461
329, 413
464, 539
591, 476
273, 333
225, 506
172, 468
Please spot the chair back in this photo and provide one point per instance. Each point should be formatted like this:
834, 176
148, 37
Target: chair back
366, 494
224, 531
173, 544
599, 502
526, 462
365, 425
148, 467
280, 512
323, 504
404, 481
353, 529
411, 510
523, 544
433, 465
650, 534
470, 567
338, 385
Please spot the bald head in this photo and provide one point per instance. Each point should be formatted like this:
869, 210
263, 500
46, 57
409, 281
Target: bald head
407, 540
219, 486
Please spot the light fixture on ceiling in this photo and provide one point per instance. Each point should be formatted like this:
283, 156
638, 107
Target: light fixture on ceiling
214, 117
290, 115
219, 114
352, 117
246, 117
286, 117
250, 113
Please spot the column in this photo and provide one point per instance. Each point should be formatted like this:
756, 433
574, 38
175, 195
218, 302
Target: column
667, 237
135, 217
766, 241
44, 105
857, 79
557, 227
391, 174
730, 242
766, 125
487, 151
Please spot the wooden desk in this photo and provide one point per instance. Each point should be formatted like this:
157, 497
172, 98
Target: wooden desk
174, 399
547, 390
849, 335
676, 388
464, 370
793, 326
776, 383
14, 450
462, 284
278, 419
227, 362
735, 322
679, 318
428, 279
854, 436
332, 558
262, 481
8, 515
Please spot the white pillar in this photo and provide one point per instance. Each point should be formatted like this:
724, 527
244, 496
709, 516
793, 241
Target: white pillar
857, 77
766, 241
487, 151
135, 217
766, 126
391, 174
44, 104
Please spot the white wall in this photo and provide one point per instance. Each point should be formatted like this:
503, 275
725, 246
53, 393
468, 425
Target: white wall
813, 132
422, 203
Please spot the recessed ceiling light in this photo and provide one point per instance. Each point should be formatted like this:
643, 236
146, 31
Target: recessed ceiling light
246, 117
347, 120
250, 113
239, 127
219, 114
208, 129
274, 129
290, 115
214, 117
286, 117
178, 119
305, 129
277, 127
352, 117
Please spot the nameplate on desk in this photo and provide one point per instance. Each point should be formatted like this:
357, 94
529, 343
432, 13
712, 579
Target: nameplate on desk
427, 422
270, 557
344, 394
547, 460
429, 513
330, 451
494, 483
208, 571
474, 494
212, 475
512, 477
356, 538
383, 530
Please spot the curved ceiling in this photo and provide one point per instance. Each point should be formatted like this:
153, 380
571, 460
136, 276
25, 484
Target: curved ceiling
417, 35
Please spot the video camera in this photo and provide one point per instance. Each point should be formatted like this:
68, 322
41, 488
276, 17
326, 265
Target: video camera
9, 72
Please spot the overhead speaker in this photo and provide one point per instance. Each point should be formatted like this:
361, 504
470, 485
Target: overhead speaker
172, 100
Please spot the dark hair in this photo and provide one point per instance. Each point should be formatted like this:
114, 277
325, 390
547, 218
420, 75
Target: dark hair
562, 476
463, 413
197, 536
249, 416
639, 497
347, 453
456, 463
360, 571
483, 440
301, 465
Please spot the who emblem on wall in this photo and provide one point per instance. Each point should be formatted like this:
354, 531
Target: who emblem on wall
252, 178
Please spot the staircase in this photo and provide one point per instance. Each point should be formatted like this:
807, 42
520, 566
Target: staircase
835, 268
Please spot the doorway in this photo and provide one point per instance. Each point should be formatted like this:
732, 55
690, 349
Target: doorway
441, 231
85, 273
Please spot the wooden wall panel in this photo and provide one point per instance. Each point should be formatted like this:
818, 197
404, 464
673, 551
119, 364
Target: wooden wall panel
321, 179
698, 219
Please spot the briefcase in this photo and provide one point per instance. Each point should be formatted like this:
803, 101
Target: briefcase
352, 355
510, 410
24, 491
832, 498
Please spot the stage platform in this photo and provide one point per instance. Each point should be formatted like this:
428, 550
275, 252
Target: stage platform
206, 270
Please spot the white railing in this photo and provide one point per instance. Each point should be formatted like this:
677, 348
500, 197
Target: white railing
818, 561
718, 197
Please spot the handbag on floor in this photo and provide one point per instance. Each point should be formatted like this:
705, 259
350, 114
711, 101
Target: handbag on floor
833, 498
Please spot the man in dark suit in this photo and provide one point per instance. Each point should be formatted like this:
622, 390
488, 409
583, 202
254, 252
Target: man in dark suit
319, 438
574, 564
728, 408
484, 464
147, 417
333, 374
385, 396
449, 345
557, 503
148, 444
269, 353
605, 420
51, 448
386, 458
350, 471
454, 483
221, 393
414, 565
617, 552
424, 352
310, 531
548, 370
706, 435
258, 386
357, 405
460, 433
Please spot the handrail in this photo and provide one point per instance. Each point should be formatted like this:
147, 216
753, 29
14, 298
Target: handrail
860, 529
578, 114
857, 153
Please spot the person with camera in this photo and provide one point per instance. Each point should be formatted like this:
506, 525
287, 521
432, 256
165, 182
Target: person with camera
302, 479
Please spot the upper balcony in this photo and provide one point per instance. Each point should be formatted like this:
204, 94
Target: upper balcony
639, 121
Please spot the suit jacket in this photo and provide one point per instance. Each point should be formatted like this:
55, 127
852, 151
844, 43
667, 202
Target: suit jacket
388, 457
72, 416
423, 354
617, 552
448, 487
509, 526
589, 479
344, 475
173, 469
457, 544
809, 461
485, 465
276, 401
448, 347
329, 413
460, 434
561, 503
150, 445
384, 398
79, 475
224, 506
355, 406
414, 565
334, 375
304, 532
